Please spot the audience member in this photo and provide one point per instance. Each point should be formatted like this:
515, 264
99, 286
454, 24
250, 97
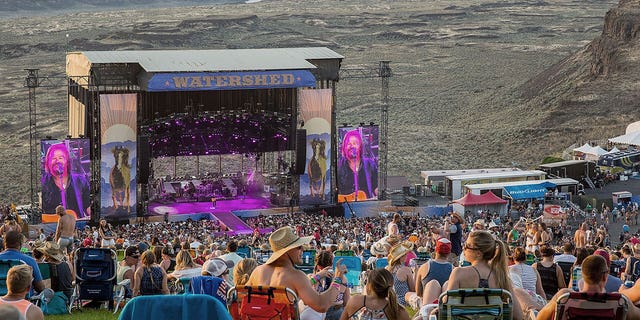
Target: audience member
150, 278
19, 279
12, 244
242, 271
379, 302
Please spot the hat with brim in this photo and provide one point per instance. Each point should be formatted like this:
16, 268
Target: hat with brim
397, 252
52, 250
378, 248
283, 240
457, 216
492, 225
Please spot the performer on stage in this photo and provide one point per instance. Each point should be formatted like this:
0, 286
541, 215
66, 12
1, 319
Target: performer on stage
62, 187
357, 173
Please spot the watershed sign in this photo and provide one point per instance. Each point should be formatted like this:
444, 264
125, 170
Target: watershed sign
200, 81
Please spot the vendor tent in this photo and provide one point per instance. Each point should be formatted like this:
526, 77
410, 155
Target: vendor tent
586, 148
614, 150
632, 138
486, 201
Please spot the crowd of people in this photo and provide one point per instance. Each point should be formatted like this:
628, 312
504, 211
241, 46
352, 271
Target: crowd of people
425, 256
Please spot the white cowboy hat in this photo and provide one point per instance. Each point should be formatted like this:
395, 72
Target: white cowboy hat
492, 224
378, 248
283, 240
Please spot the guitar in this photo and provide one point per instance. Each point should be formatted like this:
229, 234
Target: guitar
359, 196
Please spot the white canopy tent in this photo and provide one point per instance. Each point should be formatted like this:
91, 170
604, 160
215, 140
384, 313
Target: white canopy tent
632, 138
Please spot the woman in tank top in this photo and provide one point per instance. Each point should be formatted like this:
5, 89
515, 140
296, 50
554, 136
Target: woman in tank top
550, 273
488, 269
379, 302
150, 278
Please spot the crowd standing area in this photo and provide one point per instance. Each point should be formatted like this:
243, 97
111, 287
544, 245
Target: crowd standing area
403, 262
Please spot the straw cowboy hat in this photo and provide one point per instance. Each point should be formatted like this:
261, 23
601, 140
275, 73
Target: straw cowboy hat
457, 216
283, 240
397, 252
52, 249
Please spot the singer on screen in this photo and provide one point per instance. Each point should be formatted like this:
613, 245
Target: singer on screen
62, 187
357, 173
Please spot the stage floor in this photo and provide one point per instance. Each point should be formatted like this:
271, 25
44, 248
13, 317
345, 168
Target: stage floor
160, 208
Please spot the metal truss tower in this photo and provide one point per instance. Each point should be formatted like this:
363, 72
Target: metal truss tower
382, 71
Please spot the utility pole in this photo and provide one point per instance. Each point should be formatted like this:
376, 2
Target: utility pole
382, 71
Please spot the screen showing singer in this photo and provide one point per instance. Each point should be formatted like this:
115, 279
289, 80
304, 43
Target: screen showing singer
357, 164
64, 178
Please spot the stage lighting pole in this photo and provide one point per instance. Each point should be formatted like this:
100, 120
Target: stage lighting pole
31, 82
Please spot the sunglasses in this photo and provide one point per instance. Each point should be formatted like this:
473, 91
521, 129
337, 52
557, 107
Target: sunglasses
465, 246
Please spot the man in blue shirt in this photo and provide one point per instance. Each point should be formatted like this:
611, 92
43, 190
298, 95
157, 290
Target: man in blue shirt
12, 244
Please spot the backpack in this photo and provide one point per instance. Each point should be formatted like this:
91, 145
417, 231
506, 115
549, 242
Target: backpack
57, 305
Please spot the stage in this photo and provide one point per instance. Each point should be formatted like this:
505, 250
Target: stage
160, 208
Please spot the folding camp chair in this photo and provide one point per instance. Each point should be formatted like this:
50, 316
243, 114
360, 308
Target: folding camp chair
343, 253
476, 304
354, 268
5, 265
172, 307
212, 286
381, 263
262, 255
592, 306
95, 274
256, 303
308, 261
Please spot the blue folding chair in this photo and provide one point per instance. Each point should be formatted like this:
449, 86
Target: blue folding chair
213, 286
354, 267
171, 307
382, 263
5, 265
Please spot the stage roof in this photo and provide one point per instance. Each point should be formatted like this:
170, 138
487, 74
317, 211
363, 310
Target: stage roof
212, 60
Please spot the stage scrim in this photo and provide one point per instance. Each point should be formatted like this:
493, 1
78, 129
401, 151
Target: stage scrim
66, 166
118, 165
315, 112
358, 163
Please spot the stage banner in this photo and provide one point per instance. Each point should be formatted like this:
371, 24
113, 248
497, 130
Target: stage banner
66, 166
198, 81
315, 111
358, 163
118, 166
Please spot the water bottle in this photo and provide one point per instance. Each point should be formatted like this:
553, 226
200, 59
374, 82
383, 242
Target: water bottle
628, 283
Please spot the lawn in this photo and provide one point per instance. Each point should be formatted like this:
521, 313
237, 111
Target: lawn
87, 314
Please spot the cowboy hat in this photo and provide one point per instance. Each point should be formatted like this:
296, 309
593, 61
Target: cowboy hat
52, 250
457, 216
378, 248
283, 240
492, 224
397, 252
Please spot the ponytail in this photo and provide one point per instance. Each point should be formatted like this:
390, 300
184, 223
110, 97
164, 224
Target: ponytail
500, 266
394, 307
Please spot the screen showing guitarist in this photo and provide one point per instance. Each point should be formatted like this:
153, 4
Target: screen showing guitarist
357, 171
61, 185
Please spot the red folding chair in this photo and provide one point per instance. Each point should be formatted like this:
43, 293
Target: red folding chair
591, 306
261, 303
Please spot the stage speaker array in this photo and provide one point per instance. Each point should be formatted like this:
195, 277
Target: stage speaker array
144, 151
301, 151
